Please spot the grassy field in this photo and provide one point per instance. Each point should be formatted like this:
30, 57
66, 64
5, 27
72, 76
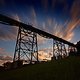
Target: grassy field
65, 69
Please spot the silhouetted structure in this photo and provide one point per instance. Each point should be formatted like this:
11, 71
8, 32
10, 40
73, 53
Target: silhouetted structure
7, 65
13, 65
78, 48
1, 68
26, 44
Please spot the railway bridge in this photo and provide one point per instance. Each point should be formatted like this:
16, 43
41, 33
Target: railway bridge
26, 44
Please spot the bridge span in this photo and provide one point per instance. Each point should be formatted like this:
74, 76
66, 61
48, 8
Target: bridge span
26, 44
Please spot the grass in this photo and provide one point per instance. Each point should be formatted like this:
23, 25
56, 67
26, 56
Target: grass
65, 69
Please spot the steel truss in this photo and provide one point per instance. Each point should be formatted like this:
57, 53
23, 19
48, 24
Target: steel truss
26, 46
61, 50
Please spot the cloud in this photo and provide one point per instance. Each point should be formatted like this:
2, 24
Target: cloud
4, 56
45, 53
7, 33
33, 17
16, 17
74, 22
75, 11
2, 51
41, 40
53, 27
69, 31
57, 29
4, 59
1, 62
65, 30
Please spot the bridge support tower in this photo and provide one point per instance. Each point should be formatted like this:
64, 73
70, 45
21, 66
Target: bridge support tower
26, 46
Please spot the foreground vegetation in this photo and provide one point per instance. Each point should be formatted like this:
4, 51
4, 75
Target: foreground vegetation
65, 69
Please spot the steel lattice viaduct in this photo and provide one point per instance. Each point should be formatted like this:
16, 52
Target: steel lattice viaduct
26, 44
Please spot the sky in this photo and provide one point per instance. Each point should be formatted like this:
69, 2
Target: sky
58, 17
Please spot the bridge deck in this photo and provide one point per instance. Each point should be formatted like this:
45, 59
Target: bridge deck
9, 21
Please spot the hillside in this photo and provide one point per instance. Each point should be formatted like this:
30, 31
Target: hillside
65, 69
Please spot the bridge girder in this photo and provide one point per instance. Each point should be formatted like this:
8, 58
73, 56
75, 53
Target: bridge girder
9, 21
26, 45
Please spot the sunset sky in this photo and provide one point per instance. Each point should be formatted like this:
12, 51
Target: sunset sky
58, 17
